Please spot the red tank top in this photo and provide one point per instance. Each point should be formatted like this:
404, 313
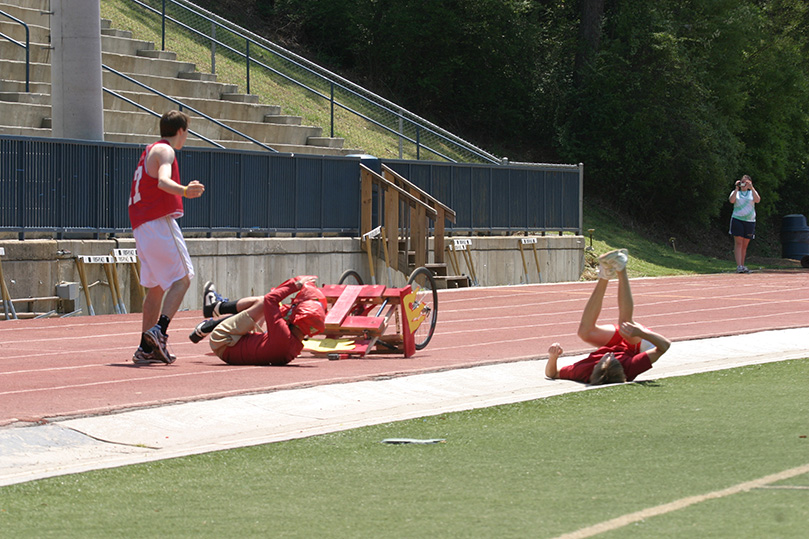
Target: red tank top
147, 201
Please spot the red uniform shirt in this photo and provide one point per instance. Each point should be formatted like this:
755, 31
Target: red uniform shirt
275, 347
147, 201
633, 364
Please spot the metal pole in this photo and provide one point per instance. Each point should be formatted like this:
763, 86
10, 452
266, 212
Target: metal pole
27, 59
581, 198
401, 130
213, 48
331, 89
164, 26
248, 66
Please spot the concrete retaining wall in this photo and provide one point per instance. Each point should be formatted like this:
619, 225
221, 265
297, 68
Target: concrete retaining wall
251, 266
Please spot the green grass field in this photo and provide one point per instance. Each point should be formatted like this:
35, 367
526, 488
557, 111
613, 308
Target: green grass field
534, 469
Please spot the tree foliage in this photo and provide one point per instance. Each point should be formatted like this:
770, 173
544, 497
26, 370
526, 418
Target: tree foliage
666, 103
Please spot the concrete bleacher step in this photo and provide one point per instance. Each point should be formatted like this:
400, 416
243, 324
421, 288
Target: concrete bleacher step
19, 86
43, 5
26, 97
240, 98
24, 131
282, 119
215, 108
138, 121
122, 45
38, 52
14, 113
116, 33
127, 63
197, 75
172, 86
28, 13
14, 30
152, 53
326, 142
143, 140
155, 68
15, 70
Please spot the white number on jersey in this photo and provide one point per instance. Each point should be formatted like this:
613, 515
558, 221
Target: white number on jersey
135, 198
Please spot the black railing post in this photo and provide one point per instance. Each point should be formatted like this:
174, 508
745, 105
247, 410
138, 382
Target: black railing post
331, 99
163, 32
27, 59
248, 66
213, 48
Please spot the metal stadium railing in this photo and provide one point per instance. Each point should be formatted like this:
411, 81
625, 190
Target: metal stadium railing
27, 47
71, 186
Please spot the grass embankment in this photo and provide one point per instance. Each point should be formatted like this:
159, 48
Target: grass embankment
665, 255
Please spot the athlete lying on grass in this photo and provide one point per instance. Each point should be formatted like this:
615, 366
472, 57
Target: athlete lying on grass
237, 337
624, 350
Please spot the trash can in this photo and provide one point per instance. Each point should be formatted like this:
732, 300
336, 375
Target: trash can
794, 237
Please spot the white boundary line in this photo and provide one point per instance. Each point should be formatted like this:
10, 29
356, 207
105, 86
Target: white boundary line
682, 503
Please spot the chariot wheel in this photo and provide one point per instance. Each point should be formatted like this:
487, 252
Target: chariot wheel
350, 277
422, 283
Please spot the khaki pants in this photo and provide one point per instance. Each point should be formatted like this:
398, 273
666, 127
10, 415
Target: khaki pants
229, 331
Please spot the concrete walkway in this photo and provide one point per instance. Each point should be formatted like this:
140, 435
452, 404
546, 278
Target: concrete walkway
106, 441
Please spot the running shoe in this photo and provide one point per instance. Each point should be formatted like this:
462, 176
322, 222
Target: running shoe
606, 273
204, 328
211, 300
158, 341
147, 358
614, 260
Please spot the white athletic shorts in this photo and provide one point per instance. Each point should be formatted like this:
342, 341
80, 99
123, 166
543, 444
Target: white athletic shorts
163, 255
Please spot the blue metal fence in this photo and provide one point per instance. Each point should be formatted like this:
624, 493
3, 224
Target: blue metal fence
70, 186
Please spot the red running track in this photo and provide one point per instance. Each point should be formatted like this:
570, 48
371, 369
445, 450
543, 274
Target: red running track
82, 365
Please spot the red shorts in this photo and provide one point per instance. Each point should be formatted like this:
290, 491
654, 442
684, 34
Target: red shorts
618, 339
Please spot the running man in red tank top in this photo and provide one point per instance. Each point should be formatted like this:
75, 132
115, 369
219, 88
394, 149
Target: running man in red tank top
155, 202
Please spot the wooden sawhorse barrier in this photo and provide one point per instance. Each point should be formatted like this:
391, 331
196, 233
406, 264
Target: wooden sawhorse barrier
464, 245
108, 262
8, 305
533, 243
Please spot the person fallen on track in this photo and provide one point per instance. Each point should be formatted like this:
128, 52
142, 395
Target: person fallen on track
624, 350
155, 204
235, 327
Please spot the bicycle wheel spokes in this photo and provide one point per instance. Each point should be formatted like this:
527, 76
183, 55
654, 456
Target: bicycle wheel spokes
425, 305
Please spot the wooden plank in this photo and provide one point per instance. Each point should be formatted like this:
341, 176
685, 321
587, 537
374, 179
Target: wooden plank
367, 291
374, 324
342, 306
423, 195
391, 226
392, 294
333, 291
370, 291
404, 195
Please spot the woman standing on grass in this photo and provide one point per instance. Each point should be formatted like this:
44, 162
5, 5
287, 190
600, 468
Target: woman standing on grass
744, 198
